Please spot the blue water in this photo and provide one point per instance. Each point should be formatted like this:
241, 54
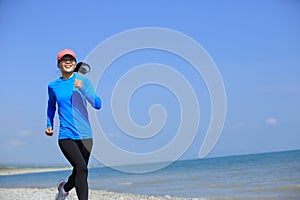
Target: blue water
258, 176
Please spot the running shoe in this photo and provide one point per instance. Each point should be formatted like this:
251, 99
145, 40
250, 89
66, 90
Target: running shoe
61, 195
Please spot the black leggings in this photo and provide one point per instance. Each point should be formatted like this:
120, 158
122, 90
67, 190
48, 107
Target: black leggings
78, 153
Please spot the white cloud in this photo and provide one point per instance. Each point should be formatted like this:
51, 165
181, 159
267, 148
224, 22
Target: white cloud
26, 133
17, 143
240, 125
271, 121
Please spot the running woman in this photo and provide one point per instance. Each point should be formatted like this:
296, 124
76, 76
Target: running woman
70, 93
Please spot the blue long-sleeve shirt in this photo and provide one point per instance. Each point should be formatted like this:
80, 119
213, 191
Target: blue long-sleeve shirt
71, 103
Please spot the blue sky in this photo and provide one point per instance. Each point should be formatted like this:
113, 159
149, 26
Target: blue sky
255, 45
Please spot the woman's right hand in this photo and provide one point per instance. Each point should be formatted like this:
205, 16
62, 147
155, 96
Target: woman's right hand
49, 131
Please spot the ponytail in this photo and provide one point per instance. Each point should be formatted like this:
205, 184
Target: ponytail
82, 68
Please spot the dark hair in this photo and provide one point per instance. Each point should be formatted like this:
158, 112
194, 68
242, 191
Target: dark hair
82, 68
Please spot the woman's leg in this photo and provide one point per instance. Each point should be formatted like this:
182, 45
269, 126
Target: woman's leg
77, 153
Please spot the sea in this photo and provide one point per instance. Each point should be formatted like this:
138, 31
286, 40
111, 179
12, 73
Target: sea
267, 176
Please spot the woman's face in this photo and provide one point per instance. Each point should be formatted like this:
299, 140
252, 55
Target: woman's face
67, 64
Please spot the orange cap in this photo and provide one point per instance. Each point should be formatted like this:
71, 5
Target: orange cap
64, 52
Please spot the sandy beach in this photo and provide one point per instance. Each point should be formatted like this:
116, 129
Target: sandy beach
49, 193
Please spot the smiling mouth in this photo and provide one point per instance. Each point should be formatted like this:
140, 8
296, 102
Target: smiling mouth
68, 66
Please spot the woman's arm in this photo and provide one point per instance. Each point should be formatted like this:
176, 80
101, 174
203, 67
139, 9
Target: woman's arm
86, 87
51, 108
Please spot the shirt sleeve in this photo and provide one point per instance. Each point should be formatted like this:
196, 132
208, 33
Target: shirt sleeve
51, 107
90, 94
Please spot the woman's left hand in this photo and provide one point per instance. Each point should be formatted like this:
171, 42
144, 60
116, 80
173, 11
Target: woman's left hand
78, 83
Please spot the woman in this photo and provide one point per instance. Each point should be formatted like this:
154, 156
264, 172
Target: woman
70, 93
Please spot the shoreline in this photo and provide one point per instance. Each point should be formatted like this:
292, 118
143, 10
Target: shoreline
29, 170
49, 193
